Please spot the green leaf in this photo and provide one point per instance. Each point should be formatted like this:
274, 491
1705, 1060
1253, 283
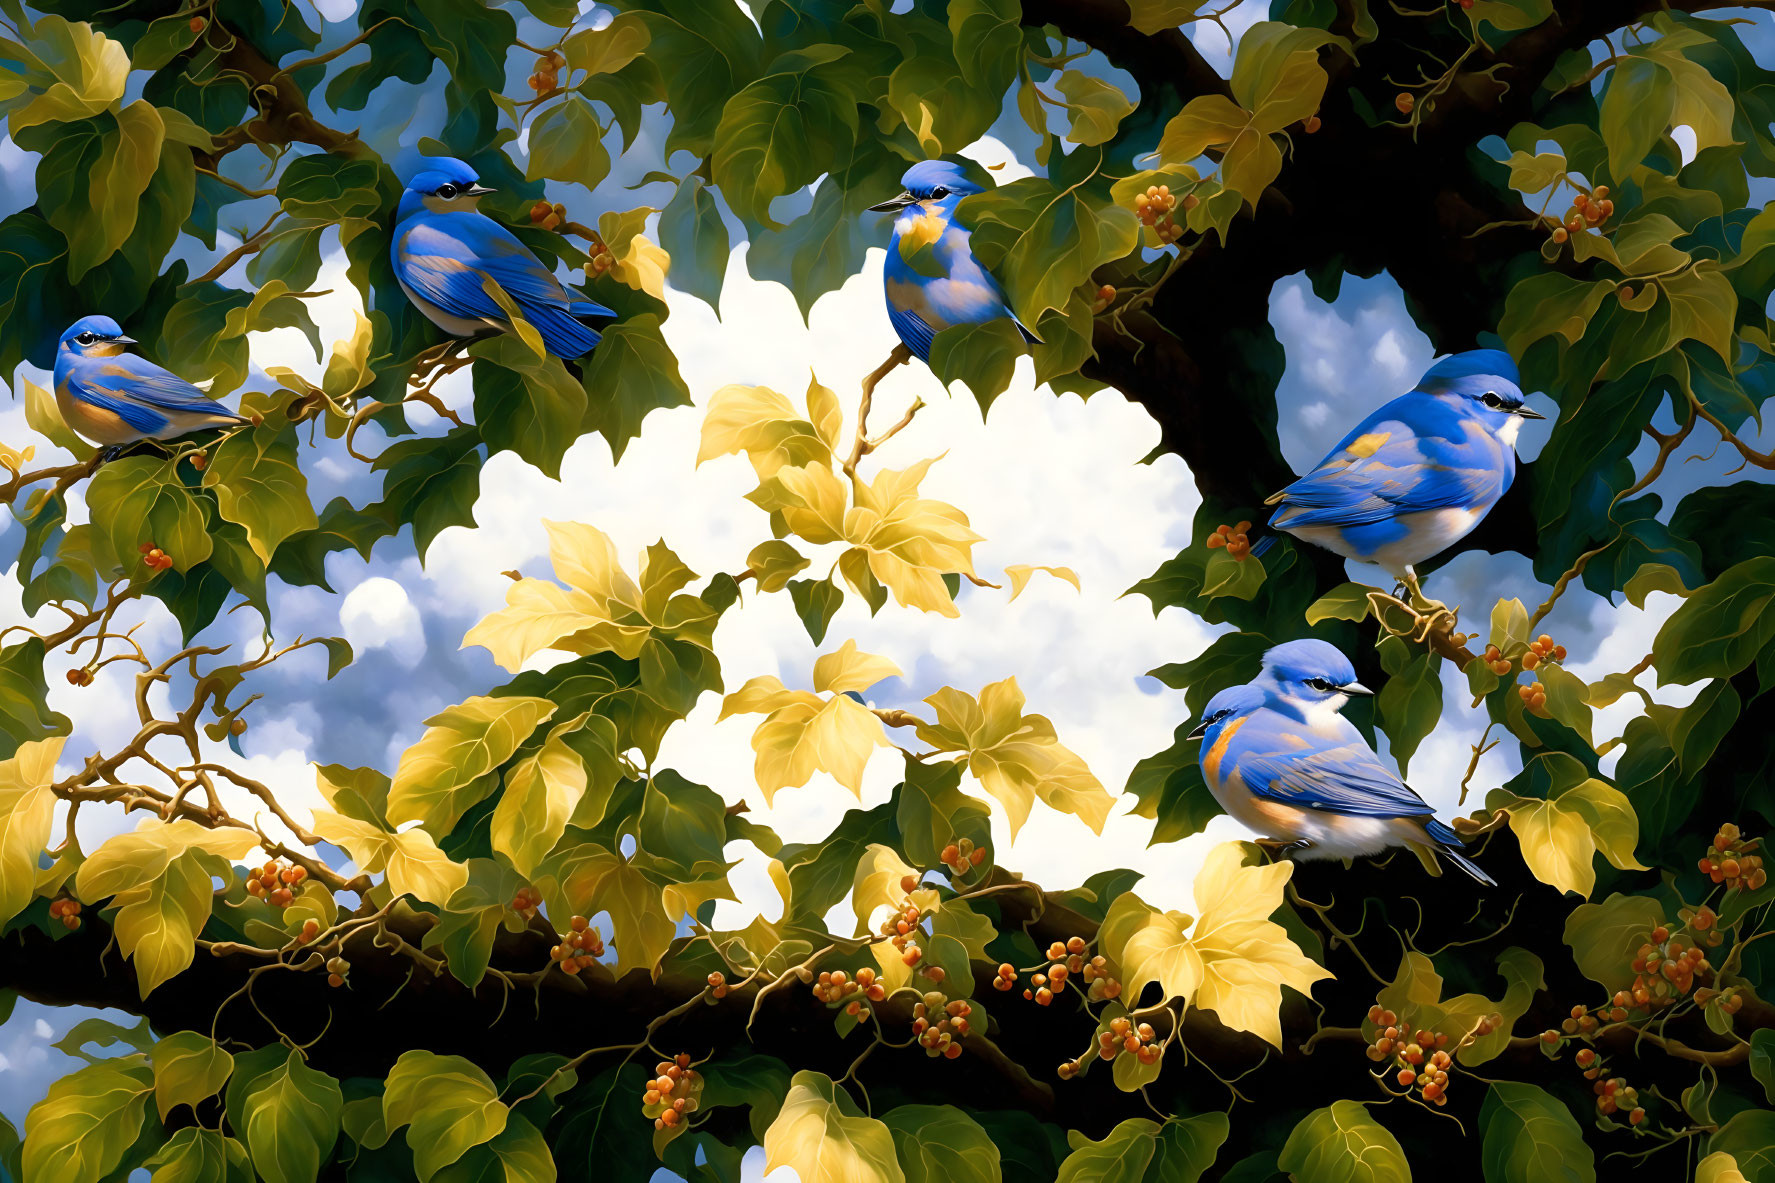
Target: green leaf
941, 1144
81, 1131
692, 231
1635, 109
1411, 706
432, 483
25, 716
138, 500
526, 403
1346, 601
440, 777
683, 825
1095, 107
518, 1154
1226, 576
1045, 242
1722, 628
1604, 937
197, 1155
1341, 1143
286, 1112
816, 602
982, 355
777, 134
450, 1105
933, 811
1121, 1157
259, 486
1187, 1147
1169, 788
70, 71
567, 144
1762, 1061
631, 373
188, 1068
1526, 1136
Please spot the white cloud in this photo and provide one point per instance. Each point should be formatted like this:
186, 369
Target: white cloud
377, 614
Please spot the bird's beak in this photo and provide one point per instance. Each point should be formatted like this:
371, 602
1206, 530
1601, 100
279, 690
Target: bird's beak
1200, 731
897, 203
125, 340
1529, 413
478, 190
1357, 689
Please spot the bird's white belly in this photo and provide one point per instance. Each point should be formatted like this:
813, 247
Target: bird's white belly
1429, 532
1331, 835
456, 326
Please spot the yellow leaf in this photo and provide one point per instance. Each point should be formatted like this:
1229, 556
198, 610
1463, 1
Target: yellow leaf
1016, 756
1021, 573
44, 417
129, 860
158, 921
1561, 835
1718, 1167
432, 784
1152, 946
541, 793
643, 266
763, 424
820, 1134
912, 541
811, 499
1246, 957
762, 695
877, 883
73, 71
596, 880
410, 860
27, 812
801, 738
850, 669
348, 369
824, 413
1234, 961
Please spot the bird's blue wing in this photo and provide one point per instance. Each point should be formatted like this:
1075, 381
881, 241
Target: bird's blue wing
1282, 761
1414, 454
132, 378
913, 331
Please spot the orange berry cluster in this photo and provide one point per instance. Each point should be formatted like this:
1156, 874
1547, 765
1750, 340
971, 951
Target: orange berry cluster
717, 985
67, 910
200, 460
548, 216
939, 1022
1665, 969
1614, 1095
1730, 860
672, 1095
276, 882
80, 677
310, 930
548, 72
1534, 697
1588, 209
156, 558
1154, 208
1731, 999
337, 968
582, 946
902, 929
1420, 1058
960, 856
1106, 295
835, 986
1233, 538
600, 260
1124, 1036
1542, 649
1067, 959
525, 902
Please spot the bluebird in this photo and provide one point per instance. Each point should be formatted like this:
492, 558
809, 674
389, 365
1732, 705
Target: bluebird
1418, 475
1282, 760
445, 250
114, 398
931, 291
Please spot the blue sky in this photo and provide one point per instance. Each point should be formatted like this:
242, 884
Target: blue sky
1046, 479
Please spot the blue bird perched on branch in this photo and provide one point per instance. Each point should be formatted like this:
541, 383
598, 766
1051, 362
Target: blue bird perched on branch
115, 398
1282, 760
1418, 475
455, 263
932, 278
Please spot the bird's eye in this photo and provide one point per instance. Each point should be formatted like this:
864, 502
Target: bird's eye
86, 338
1321, 684
1490, 398
446, 190
939, 192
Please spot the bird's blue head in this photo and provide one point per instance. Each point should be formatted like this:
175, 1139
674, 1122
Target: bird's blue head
442, 185
931, 183
1235, 702
1484, 384
1310, 676
94, 336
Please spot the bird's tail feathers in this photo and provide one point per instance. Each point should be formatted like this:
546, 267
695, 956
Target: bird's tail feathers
1028, 335
1262, 545
1449, 846
564, 335
584, 307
